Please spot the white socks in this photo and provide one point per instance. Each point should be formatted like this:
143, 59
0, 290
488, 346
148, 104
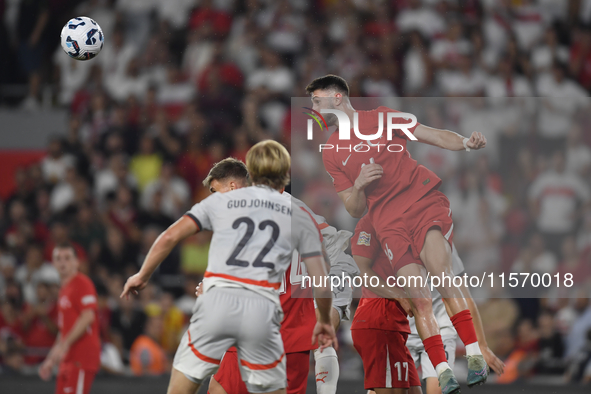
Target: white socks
441, 367
473, 349
326, 371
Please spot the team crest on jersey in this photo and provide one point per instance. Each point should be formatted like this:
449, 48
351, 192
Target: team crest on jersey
364, 238
64, 302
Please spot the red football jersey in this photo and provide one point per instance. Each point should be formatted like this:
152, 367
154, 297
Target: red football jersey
75, 296
298, 308
373, 311
403, 181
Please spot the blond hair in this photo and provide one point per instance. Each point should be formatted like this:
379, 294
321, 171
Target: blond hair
268, 163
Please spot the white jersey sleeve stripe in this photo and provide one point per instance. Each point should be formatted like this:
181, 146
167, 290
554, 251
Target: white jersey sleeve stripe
197, 222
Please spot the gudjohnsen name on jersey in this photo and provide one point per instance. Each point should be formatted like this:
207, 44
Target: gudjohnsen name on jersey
255, 203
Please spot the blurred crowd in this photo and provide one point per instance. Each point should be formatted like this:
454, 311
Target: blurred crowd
181, 84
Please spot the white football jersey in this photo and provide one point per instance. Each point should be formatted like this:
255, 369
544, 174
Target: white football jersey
255, 231
335, 241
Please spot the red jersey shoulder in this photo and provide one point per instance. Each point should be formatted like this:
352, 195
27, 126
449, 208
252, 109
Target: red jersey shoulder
84, 290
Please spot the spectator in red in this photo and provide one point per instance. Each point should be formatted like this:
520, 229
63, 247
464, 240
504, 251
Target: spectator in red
77, 349
580, 57
220, 21
10, 312
39, 324
123, 214
228, 73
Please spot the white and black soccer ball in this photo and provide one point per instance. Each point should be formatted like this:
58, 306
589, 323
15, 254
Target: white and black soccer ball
82, 38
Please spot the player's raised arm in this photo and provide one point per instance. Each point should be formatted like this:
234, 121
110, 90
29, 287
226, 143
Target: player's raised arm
448, 139
178, 231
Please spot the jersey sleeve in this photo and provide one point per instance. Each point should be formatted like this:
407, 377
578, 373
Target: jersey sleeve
306, 238
200, 213
340, 180
364, 242
86, 297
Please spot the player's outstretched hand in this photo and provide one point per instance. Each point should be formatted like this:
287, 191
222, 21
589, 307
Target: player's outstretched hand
493, 361
133, 285
325, 336
476, 141
199, 289
368, 174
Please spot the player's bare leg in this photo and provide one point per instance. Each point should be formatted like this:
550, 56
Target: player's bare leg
420, 300
326, 364
427, 327
432, 386
436, 255
215, 387
180, 384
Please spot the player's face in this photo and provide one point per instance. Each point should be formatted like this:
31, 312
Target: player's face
65, 262
326, 99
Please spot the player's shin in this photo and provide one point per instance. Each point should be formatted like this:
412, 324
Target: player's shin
435, 350
465, 327
326, 370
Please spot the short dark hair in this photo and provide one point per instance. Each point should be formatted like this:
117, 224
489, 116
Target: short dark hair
227, 168
329, 81
66, 245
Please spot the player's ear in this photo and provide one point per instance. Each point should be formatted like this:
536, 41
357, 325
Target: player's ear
338, 99
233, 185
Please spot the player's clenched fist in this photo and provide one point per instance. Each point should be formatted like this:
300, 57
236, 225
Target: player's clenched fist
476, 141
368, 174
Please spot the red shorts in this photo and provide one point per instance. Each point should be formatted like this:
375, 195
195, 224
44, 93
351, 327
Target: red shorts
387, 363
405, 260
297, 365
72, 379
397, 234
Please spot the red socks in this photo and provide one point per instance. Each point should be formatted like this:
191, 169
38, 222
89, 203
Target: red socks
463, 324
434, 348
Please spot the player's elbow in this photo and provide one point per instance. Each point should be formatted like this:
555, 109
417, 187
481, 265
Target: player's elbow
355, 212
169, 238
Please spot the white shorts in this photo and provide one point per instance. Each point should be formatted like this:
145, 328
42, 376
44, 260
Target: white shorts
342, 296
226, 317
421, 358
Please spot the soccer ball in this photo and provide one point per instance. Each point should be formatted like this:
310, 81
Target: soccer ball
82, 38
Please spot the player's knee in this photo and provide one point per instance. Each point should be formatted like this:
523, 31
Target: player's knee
422, 306
181, 383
